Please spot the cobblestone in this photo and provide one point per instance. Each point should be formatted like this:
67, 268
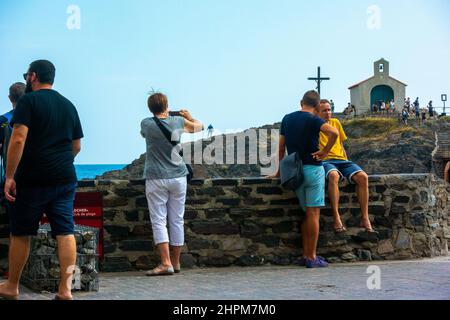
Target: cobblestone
410, 280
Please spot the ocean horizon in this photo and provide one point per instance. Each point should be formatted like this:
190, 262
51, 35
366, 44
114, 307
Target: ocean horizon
90, 171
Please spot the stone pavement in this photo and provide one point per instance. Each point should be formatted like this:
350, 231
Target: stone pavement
422, 279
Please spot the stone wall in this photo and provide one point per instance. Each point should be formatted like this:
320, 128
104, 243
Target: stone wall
251, 222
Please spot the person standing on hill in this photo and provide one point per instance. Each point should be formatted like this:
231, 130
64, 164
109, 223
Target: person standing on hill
417, 110
40, 175
408, 104
430, 109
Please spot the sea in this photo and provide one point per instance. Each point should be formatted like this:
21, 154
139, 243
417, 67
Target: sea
90, 171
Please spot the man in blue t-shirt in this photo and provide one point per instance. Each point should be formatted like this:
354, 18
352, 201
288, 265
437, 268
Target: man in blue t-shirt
300, 133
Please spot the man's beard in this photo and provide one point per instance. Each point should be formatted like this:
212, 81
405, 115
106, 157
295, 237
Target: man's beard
29, 88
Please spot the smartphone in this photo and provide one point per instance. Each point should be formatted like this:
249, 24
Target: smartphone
175, 113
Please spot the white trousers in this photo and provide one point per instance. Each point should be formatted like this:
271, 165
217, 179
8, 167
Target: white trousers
166, 199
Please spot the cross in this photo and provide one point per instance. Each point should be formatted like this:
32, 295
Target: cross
319, 79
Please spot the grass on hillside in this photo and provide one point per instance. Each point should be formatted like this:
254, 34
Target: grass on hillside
374, 129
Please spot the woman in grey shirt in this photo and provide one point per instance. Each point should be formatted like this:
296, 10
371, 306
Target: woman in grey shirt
165, 187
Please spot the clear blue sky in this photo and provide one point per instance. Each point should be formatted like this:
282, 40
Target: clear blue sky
234, 63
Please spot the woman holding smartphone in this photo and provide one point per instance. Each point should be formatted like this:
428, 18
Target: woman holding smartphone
165, 173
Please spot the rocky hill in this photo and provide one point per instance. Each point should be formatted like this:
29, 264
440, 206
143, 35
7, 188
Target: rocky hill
378, 145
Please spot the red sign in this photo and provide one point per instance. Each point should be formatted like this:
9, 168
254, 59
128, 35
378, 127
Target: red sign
88, 211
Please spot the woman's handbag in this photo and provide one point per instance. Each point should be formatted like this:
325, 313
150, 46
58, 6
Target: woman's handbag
291, 171
168, 136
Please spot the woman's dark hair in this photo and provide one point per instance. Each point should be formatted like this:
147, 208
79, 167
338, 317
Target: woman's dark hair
157, 103
45, 71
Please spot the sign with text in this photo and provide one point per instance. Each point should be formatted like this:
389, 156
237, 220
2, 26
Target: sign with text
88, 211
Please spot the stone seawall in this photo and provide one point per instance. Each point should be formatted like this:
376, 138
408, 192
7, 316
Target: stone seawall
251, 222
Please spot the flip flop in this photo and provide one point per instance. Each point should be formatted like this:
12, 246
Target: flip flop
369, 230
340, 229
160, 271
57, 297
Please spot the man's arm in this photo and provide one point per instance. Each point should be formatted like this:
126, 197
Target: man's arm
15, 151
345, 151
76, 147
332, 134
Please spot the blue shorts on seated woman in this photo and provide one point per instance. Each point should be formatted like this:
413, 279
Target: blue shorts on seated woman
346, 169
312, 191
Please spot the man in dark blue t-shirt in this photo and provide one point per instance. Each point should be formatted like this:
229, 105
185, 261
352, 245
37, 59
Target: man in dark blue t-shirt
300, 133
40, 174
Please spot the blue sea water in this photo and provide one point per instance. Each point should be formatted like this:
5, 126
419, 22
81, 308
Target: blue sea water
90, 171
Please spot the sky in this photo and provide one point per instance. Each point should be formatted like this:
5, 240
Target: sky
234, 64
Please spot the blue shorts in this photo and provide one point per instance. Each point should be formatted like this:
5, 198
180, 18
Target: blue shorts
32, 202
312, 191
346, 169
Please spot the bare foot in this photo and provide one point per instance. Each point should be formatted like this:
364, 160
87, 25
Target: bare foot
7, 293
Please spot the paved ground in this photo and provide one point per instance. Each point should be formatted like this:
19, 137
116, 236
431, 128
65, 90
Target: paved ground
424, 279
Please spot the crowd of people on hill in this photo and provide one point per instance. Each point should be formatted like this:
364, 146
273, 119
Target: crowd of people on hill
408, 111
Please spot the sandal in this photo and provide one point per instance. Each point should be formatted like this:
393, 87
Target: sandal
177, 269
58, 297
340, 229
368, 229
160, 271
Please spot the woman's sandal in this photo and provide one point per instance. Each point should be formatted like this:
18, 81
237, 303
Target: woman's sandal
341, 229
177, 269
368, 229
58, 297
160, 271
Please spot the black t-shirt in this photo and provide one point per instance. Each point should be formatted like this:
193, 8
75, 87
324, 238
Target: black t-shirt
53, 124
301, 131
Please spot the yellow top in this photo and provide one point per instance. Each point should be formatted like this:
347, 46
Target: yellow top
337, 152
